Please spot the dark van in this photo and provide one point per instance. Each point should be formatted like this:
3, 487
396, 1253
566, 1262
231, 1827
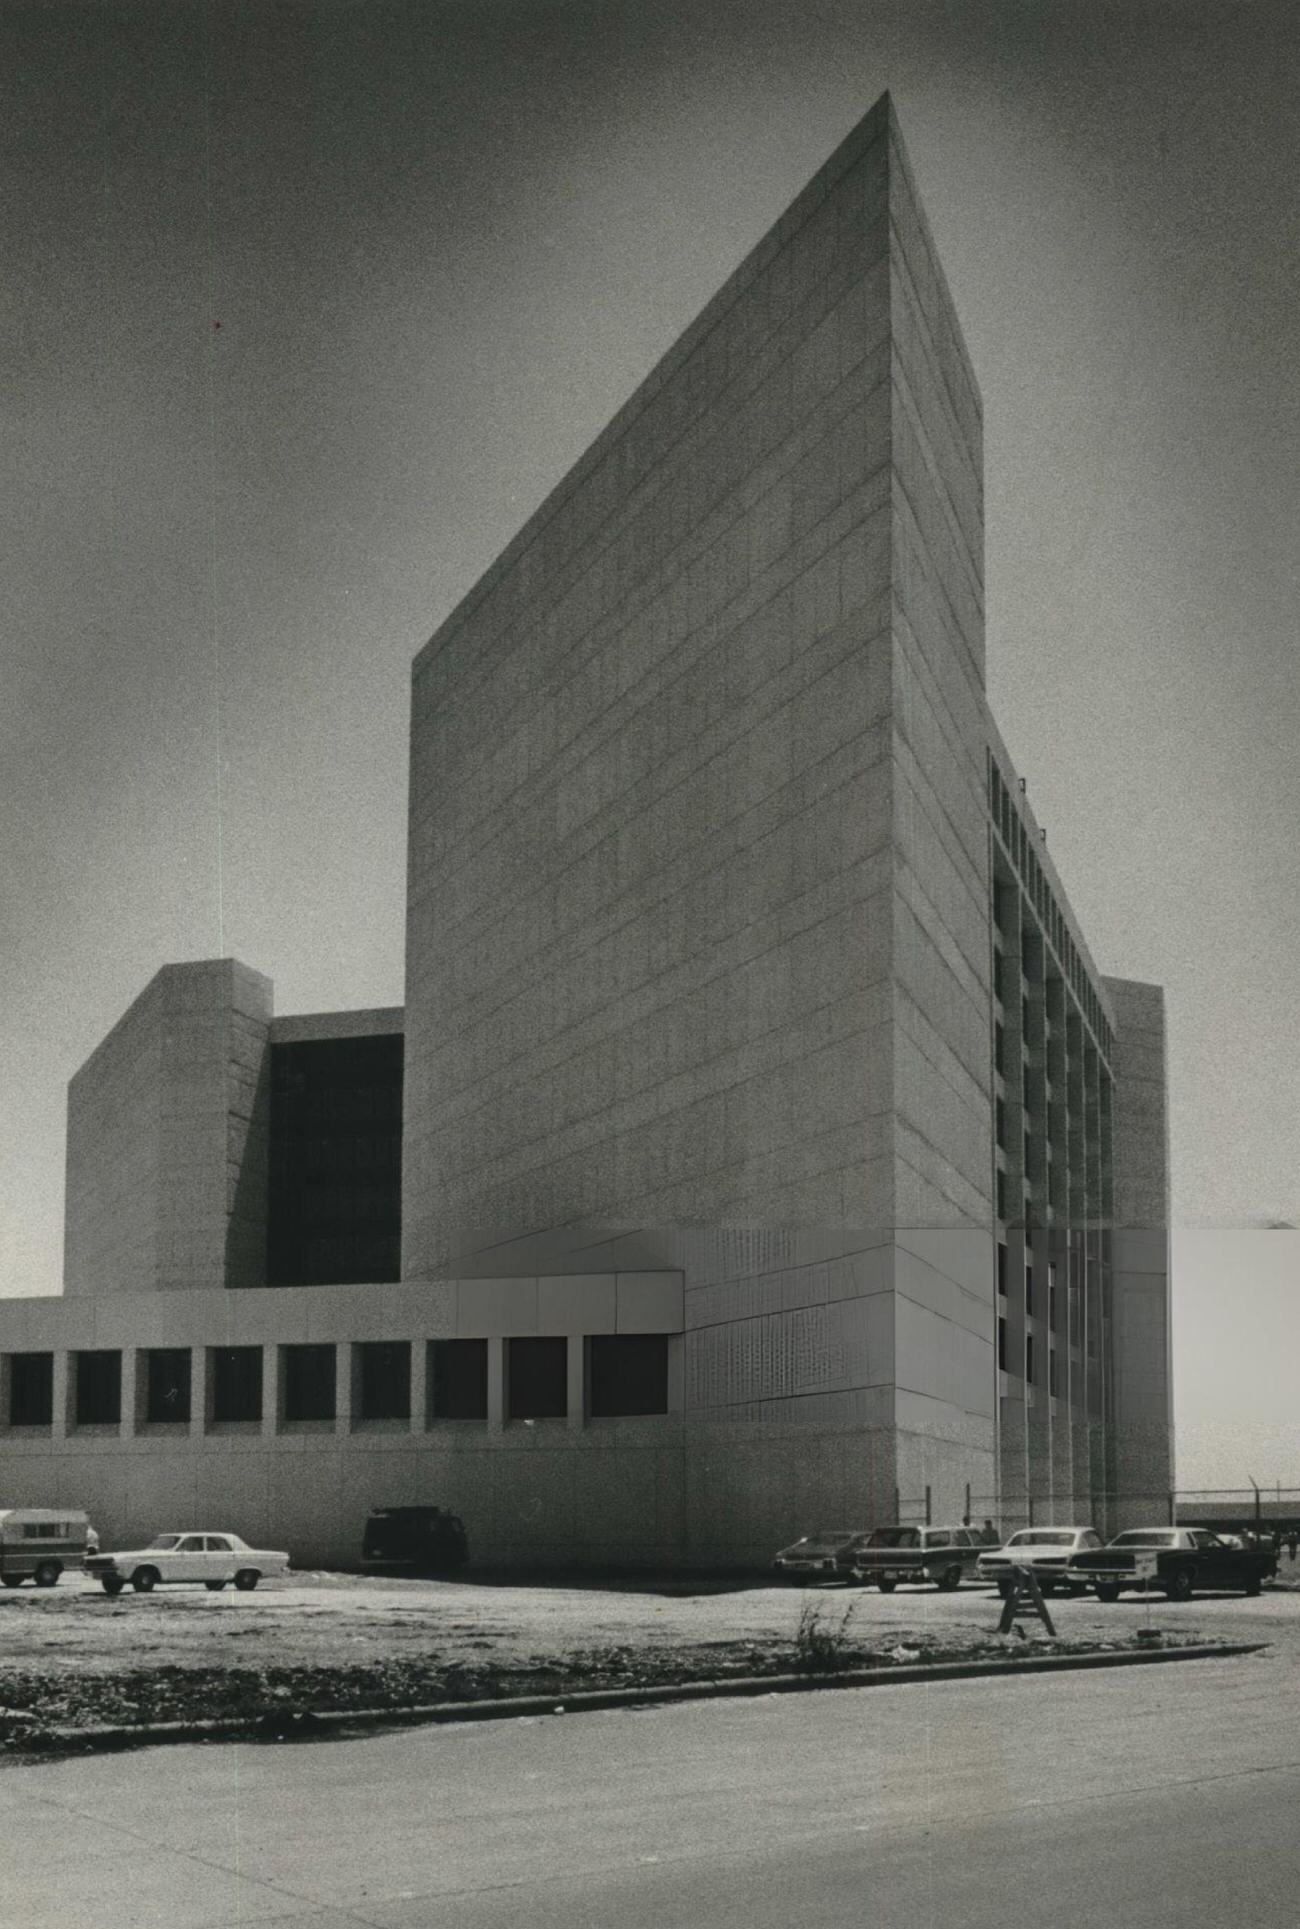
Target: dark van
414, 1540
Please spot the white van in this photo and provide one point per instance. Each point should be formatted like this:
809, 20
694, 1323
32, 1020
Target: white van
38, 1543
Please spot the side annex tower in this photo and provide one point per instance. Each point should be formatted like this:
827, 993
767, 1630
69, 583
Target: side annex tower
772, 1153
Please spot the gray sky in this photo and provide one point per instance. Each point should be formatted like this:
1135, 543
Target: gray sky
307, 305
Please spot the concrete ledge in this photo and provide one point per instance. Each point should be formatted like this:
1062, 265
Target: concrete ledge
304, 1724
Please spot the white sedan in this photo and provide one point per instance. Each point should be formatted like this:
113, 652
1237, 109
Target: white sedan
213, 1559
1046, 1549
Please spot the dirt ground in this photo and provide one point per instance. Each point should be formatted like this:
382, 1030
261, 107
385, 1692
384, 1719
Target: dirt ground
70, 1656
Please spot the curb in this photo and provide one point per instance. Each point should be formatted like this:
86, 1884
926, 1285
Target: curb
306, 1723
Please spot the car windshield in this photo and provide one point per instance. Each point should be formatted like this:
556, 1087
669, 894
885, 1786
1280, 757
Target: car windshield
1042, 1537
895, 1537
161, 1542
1146, 1537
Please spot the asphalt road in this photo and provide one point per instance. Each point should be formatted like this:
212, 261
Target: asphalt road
1167, 1794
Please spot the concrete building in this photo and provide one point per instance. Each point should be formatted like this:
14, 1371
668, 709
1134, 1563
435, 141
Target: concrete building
772, 1151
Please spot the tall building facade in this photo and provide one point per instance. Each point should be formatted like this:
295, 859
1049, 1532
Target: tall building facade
771, 1150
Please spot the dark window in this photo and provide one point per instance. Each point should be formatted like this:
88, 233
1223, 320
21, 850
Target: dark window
236, 1383
537, 1377
31, 1389
1029, 1358
999, 974
334, 1207
458, 1379
309, 1390
167, 1384
383, 1380
1029, 1289
1002, 1269
629, 1374
1002, 1344
97, 1401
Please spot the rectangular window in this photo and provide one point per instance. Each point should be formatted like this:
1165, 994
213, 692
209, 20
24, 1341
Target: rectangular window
97, 1399
999, 973
166, 1384
1002, 1344
236, 1383
1029, 1359
537, 1379
458, 1379
628, 1374
1002, 1269
31, 1389
383, 1380
309, 1382
1029, 1289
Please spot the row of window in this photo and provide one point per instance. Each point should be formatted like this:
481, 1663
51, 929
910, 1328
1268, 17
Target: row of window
1015, 836
623, 1375
1030, 1379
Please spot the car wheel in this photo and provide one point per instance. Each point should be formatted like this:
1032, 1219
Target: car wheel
886, 1587
246, 1579
12, 1580
1254, 1585
949, 1579
112, 1584
145, 1580
214, 1587
47, 1574
1107, 1591
1179, 1586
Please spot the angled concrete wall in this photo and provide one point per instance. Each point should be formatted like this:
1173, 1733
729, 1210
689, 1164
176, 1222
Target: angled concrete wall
698, 906
167, 1155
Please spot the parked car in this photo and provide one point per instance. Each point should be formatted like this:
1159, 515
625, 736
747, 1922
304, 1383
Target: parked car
822, 1555
40, 1543
944, 1555
212, 1559
1187, 1558
414, 1540
1047, 1550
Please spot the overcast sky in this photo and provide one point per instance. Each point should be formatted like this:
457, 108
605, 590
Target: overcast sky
307, 305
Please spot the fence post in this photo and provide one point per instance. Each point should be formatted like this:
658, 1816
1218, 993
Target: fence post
927, 1505
967, 1515
898, 1509
1031, 1510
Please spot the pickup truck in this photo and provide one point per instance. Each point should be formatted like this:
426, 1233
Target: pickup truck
944, 1555
1186, 1558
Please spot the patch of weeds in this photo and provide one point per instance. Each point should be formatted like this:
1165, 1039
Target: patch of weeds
821, 1638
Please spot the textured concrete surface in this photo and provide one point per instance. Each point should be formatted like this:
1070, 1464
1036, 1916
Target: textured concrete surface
895, 1806
167, 1120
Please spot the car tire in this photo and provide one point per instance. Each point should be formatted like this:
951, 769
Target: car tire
1107, 1591
12, 1580
950, 1580
886, 1587
1254, 1585
112, 1585
246, 1579
214, 1587
145, 1580
47, 1574
1179, 1586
